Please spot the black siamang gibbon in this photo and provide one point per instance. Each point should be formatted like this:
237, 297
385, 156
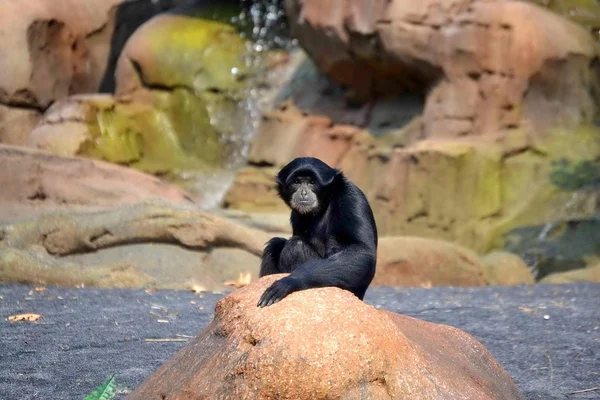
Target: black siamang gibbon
334, 240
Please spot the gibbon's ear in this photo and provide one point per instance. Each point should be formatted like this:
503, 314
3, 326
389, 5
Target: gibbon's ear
327, 177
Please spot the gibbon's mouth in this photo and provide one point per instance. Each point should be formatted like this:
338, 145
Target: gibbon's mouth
306, 202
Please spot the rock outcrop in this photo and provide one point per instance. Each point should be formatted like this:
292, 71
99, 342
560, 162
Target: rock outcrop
150, 244
50, 50
588, 274
478, 56
325, 343
415, 261
176, 105
507, 104
504, 268
33, 182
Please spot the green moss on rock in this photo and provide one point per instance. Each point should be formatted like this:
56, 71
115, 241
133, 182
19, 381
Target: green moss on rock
170, 51
180, 83
170, 133
583, 12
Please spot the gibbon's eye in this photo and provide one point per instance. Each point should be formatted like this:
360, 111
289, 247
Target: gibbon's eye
297, 181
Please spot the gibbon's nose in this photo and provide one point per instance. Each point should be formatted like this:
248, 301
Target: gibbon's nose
303, 193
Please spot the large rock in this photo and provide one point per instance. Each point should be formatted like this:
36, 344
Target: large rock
49, 51
40, 182
588, 274
507, 106
467, 192
177, 105
178, 51
55, 49
504, 268
417, 261
325, 343
478, 55
414, 261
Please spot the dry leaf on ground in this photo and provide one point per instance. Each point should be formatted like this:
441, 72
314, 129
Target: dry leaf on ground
198, 289
244, 279
24, 317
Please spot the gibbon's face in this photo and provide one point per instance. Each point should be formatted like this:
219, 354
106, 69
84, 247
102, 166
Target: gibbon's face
303, 194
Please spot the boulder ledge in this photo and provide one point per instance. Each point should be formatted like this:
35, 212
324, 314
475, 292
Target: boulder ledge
325, 344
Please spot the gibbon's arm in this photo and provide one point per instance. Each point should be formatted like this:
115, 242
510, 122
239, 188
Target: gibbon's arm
352, 269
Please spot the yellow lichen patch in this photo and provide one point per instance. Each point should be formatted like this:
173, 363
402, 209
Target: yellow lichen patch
583, 12
181, 51
179, 84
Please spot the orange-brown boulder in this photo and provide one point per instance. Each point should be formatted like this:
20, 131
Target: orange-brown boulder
55, 49
49, 50
325, 343
415, 261
506, 269
487, 65
588, 274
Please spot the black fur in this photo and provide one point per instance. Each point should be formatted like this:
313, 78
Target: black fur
335, 246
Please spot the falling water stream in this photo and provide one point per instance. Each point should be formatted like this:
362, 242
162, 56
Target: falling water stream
262, 24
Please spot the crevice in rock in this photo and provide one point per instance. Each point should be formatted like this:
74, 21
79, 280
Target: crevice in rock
45, 237
251, 340
260, 164
522, 150
419, 215
22, 99
474, 75
99, 236
156, 86
39, 195
99, 30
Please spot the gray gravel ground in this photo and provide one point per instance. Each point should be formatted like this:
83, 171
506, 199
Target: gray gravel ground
547, 337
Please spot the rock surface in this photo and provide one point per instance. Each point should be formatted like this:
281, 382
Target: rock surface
325, 343
16, 123
416, 261
502, 102
40, 182
176, 105
54, 49
479, 89
413, 261
151, 244
588, 274
468, 192
507, 269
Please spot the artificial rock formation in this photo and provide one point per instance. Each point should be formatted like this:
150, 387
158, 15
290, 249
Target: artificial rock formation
148, 244
325, 343
414, 261
505, 101
40, 182
52, 49
504, 268
491, 65
588, 274
177, 93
